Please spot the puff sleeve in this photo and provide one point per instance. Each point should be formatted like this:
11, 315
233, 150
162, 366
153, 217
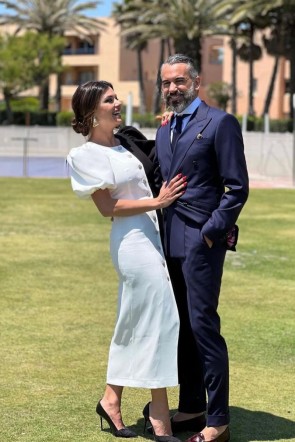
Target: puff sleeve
90, 169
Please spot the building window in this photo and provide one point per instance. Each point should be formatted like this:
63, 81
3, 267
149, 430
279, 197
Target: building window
85, 47
287, 86
68, 49
79, 47
68, 78
85, 76
215, 54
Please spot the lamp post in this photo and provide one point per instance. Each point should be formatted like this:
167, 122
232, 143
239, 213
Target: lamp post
129, 106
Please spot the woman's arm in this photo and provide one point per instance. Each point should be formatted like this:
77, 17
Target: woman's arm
119, 207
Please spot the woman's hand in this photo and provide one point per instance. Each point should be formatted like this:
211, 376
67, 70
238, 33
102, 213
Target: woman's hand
170, 192
165, 117
110, 207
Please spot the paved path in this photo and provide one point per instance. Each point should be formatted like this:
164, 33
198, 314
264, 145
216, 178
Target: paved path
269, 156
35, 167
55, 167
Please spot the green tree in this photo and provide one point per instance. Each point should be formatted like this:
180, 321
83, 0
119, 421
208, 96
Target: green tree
52, 18
279, 16
288, 26
245, 21
241, 18
220, 92
26, 61
126, 15
224, 10
185, 22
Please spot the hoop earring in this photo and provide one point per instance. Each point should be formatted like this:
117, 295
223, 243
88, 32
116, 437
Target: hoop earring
95, 123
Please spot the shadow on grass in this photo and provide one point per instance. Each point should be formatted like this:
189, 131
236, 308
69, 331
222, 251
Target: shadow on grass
248, 425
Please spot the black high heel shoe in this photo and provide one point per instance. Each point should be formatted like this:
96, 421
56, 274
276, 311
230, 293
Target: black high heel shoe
146, 415
124, 432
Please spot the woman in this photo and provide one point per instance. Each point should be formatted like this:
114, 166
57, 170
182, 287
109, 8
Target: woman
143, 351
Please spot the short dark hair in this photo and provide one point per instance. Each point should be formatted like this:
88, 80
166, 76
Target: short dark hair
84, 104
181, 58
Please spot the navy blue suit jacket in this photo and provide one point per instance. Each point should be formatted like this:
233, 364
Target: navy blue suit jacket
210, 153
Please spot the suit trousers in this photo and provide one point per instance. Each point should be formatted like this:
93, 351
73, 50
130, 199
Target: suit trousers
202, 352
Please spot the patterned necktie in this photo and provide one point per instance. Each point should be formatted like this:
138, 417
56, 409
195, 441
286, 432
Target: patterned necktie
177, 129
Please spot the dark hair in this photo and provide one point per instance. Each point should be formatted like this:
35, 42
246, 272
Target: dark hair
84, 104
181, 58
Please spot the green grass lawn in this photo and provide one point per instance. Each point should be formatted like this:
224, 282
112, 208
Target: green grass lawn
58, 306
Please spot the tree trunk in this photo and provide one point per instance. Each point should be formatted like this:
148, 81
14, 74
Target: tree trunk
271, 86
169, 46
142, 102
234, 75
58, 92
44, 95
58, 85
9, 114
292, 78
157, 93
251, 77
192, 48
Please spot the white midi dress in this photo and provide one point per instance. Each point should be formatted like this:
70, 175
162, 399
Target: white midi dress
143, 350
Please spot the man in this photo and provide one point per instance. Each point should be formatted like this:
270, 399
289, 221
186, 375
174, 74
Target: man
205, 145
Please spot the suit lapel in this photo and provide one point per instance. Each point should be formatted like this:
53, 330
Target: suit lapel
195, 126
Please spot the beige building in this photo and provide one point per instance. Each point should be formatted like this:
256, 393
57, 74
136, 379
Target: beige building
262, 76
107, 58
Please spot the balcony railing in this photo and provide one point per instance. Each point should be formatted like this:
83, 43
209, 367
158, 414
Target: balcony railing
78, 51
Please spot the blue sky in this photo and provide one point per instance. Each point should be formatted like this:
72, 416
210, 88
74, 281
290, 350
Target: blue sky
103, 9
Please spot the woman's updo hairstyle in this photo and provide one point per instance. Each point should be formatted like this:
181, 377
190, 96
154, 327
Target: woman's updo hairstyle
84, 104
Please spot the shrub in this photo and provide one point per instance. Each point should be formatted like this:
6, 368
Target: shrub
24, 104
64, 118
146, 120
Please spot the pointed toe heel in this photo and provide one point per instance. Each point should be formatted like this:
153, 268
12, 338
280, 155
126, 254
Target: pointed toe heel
146, 415
123, 432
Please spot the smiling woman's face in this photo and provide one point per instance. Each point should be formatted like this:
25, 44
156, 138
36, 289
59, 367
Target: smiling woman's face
109, 109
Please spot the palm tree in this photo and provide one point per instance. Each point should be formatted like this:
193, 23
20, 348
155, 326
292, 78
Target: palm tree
244, 20
279, 17
288, 26
274, 45
271, 15
185, 22
125, 15
52, 18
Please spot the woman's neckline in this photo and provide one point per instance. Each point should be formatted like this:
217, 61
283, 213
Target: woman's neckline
104, 145
107, 147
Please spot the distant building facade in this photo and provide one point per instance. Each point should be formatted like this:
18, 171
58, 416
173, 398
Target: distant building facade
107, 58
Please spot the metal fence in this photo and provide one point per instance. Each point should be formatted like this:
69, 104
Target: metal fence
41, 152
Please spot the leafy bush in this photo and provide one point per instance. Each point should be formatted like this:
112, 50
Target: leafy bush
21, 118
220, 91
64, 118
147, 120
281, 125
256, 124
24, 104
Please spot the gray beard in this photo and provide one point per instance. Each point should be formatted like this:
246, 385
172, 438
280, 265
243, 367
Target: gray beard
188, 98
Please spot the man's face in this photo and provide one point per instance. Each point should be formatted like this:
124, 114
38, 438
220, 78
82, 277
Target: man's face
178, 88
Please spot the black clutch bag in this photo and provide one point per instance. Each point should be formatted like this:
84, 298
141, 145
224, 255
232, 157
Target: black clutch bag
231, 238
